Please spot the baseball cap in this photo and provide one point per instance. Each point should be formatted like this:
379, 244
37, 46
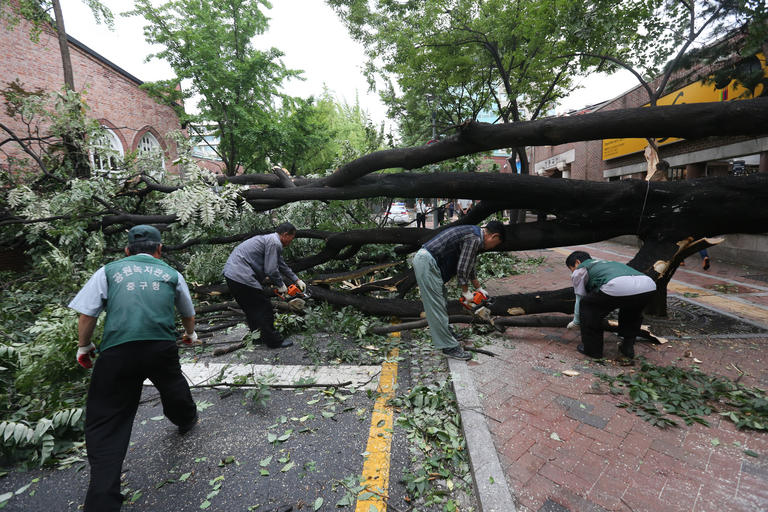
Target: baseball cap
143, 233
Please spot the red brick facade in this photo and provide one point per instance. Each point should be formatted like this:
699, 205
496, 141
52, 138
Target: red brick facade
589, 163
113, 95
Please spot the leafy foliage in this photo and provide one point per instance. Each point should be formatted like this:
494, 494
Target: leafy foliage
210, 43
658, 392
432, 426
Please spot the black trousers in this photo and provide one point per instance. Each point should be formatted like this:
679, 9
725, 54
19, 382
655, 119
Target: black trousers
595, 307
113, 398
258, 311
421, 220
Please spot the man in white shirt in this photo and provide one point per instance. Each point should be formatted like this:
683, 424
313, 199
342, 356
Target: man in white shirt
600, 287
421, 214
464, 206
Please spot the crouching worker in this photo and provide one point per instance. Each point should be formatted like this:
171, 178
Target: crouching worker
600, 287
246, 271
453, 252
139, 342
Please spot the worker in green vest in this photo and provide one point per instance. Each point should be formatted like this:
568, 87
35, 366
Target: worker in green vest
600, 287
139, 294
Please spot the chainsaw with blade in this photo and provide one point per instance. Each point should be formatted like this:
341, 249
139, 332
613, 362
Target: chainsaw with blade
479, 306
294, 297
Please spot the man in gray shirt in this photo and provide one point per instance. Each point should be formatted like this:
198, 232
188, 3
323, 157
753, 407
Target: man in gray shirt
248, 268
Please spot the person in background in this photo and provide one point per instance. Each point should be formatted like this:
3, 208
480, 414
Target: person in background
421, 214
451, 209
139, 294
464, 206
452, 252
704, 255
600, 287
250, 265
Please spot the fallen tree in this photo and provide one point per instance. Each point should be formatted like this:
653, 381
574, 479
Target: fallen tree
672, 219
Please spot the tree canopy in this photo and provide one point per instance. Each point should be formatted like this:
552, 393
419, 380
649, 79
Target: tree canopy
210, 44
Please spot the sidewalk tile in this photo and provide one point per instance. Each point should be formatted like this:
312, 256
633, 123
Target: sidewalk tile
524, 468
608, 491
636, 444
565, 478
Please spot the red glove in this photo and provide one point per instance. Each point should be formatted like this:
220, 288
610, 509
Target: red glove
190, 339
85, 355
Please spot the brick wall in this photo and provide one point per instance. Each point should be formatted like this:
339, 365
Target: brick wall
589, 163
113, 95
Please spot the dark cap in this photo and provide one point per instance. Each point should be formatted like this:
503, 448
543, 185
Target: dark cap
143, 233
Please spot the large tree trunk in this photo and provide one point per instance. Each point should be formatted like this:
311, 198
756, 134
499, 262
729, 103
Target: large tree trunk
73, 143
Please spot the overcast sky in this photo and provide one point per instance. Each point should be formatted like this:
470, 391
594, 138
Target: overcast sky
312, 39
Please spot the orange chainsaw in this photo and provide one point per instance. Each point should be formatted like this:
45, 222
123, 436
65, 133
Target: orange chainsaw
479, 305
294, 297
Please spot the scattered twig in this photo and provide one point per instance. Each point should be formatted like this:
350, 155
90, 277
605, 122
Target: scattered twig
230, 348
480, 351
275, 386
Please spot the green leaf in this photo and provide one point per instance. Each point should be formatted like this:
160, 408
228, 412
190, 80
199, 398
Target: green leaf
184, 477
204, 505
265, 462
317, 504
751, 453
715, 441
264, 472
287, 467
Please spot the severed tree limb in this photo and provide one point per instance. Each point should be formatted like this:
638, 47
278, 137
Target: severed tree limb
745, 117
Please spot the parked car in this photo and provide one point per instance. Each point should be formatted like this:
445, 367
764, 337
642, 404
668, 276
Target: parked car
398, 214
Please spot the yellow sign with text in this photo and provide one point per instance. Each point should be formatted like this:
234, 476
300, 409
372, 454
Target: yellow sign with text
693, 93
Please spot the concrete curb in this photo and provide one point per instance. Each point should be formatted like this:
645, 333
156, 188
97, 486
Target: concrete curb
493, 493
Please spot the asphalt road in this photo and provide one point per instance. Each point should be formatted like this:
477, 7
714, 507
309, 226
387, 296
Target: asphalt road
302, 449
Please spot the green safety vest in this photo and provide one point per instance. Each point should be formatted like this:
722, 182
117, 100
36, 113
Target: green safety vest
140, 301
602, 271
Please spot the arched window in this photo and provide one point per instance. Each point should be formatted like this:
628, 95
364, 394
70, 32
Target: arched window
149, 146
107, 153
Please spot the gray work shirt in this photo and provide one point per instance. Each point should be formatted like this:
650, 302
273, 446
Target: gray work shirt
256, 259
91, 299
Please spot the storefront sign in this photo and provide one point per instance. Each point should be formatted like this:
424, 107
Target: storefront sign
693, 93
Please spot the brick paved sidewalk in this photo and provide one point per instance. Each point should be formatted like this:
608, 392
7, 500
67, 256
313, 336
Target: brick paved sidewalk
564, 446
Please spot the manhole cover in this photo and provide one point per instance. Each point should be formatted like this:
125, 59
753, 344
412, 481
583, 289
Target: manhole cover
687, 319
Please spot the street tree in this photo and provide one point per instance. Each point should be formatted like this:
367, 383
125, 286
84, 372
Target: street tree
210, 44
474, 56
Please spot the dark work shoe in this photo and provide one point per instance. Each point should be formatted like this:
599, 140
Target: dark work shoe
581, 350
705, 263
183, 429
457, 353
627, 349
287, 342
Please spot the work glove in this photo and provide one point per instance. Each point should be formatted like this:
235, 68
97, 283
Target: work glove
84, 355
482, 290
468, 296
282, 288
573, 324
302, 285
190, 339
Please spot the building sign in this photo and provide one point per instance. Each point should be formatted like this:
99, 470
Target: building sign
693, 93
551, 162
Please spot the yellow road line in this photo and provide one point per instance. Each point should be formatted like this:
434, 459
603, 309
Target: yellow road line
376, 466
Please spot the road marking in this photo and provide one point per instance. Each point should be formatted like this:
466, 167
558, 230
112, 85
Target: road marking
226, 373
376, 465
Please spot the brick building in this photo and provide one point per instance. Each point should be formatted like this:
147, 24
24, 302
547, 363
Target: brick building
608, 160
624, 158
132, 119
